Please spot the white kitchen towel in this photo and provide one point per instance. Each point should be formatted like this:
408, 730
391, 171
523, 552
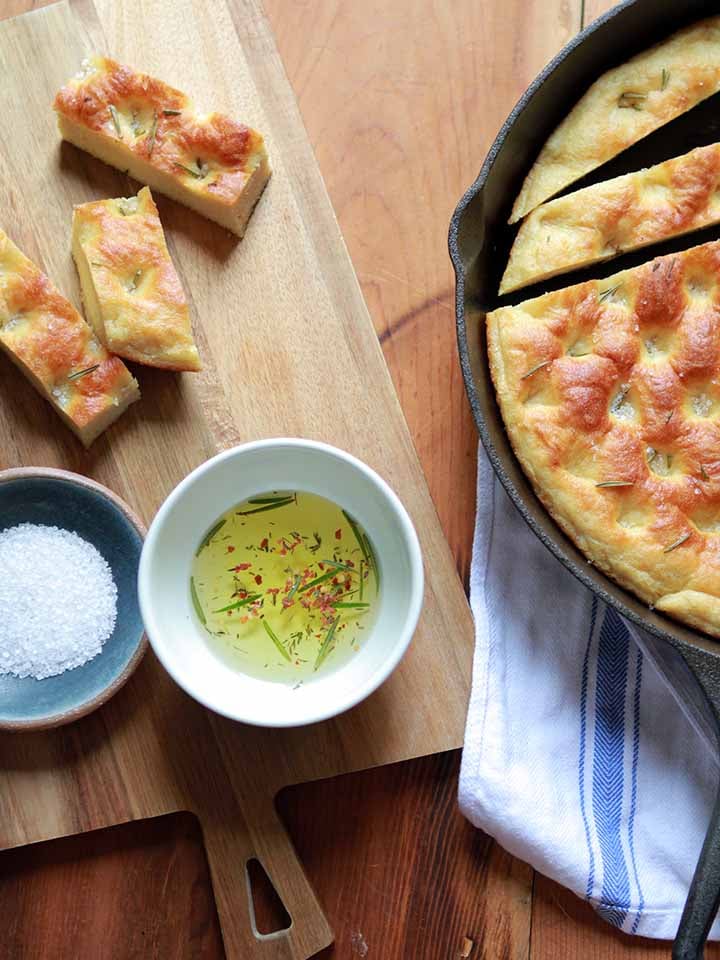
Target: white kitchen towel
578, 758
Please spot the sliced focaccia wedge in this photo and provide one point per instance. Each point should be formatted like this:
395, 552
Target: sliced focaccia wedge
132, 293
624, 105
132, 121
626, 213
50, 342
610, 393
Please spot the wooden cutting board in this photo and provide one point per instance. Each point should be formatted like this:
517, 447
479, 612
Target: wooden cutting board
288, 349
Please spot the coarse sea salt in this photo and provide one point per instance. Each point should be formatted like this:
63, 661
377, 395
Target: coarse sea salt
58, 601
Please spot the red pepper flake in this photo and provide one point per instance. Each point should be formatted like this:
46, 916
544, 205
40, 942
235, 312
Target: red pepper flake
338, 533
241, 566
334, 581
231, 549
258, 579
321, 565
264, 544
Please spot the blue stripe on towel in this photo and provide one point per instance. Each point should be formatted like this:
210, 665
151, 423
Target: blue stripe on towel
633, 795
608, 765
583, 736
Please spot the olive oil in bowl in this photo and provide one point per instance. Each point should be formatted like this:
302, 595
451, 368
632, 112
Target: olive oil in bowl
286, 584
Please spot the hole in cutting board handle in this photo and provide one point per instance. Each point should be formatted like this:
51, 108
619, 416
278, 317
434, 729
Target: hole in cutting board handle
268, 915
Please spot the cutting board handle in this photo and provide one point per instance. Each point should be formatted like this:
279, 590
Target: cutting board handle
230, 846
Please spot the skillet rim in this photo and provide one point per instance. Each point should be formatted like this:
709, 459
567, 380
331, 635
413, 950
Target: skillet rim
678, 634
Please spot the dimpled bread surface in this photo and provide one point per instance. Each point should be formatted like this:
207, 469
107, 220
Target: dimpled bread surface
610, 393
625, 213
624, 105
132, 293
142, 126
50, 342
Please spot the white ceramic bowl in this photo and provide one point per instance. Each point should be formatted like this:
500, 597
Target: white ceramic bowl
197, 502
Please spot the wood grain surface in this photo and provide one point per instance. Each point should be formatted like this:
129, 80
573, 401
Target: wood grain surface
288, 348
398, 871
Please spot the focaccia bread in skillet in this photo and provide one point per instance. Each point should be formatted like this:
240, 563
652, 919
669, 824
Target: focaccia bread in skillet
610, 393
50, 342
132, 293
138, 124
626, 213
623, 106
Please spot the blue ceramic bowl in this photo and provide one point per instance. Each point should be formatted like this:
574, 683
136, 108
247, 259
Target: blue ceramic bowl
68, 500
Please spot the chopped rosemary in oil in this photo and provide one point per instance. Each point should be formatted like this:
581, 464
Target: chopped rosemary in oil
273, 636
285, 584
267, 504
210, 534
196, 602
325, 648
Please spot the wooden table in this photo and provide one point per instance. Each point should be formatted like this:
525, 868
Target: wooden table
401, 101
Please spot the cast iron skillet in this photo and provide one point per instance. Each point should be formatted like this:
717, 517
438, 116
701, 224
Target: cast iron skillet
479, 243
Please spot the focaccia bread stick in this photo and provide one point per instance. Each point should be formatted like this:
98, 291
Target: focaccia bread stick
615, 216
213, 164
132, 293
45, 336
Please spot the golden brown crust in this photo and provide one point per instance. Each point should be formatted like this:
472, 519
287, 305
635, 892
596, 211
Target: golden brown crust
623, 106
132, 293
610, 392
626, 213
135, 121
48, 339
